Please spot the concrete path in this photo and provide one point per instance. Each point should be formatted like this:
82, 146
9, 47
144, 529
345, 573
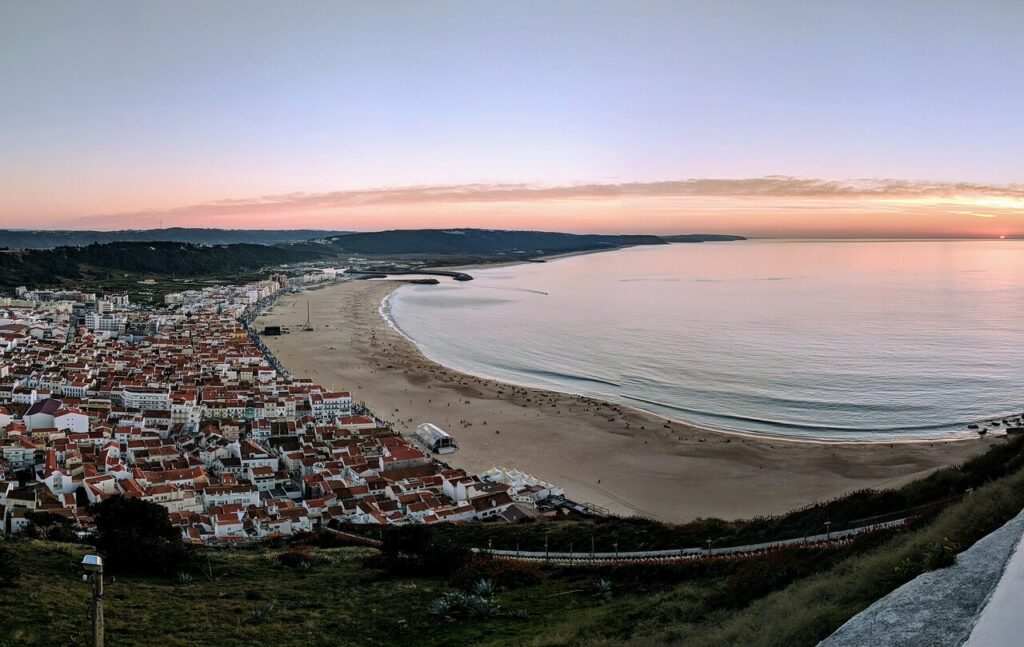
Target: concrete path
1002, 620
941, 607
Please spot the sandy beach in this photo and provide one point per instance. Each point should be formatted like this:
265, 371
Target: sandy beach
625, 460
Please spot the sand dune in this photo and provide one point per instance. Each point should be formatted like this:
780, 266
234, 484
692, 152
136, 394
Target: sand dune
626, 460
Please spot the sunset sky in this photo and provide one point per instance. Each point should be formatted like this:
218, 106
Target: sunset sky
848, 119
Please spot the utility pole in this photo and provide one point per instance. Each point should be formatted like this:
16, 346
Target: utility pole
93, 567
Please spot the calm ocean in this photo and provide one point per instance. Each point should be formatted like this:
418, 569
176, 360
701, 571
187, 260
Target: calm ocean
841, 340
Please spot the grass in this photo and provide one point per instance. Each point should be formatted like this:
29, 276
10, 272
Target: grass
246, 596
252, 599
811, 608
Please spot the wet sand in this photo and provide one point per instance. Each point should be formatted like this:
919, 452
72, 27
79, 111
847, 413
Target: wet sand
625, 460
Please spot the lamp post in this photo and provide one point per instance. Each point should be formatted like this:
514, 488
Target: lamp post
828, 531
93, 567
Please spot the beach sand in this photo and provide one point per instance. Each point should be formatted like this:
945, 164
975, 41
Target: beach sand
625, 460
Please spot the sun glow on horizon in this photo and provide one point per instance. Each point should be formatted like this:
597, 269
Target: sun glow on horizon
977, 201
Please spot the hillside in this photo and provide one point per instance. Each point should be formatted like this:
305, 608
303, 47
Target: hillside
422, 588
480, 242
155, 258
701, 238
47, 239
50, 267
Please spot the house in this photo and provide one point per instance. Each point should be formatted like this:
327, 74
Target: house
491, 505
71, 420
328, 405
253, 455
219, 495
228, 524
41, 413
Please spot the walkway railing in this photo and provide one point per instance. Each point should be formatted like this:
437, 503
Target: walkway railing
680, 553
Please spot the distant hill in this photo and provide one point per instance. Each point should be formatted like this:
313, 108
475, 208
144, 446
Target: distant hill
158, 258
39, 267
480, 241
701, 238
48, 239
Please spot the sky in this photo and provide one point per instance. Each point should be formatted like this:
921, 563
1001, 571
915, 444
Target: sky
854, 118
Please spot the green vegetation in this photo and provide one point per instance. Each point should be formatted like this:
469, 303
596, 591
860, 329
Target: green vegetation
809, 610
96, 263
47, 239
424, 588
164, 263
50, 526
248, 597
135, 536
480, 241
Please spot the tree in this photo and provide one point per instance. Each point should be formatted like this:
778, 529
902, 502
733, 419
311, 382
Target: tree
50, 526
135, 536
417, 550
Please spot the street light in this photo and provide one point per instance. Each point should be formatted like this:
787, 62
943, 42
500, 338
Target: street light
828, 531
93, 567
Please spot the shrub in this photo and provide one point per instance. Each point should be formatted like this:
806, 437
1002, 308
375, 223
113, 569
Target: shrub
502, 573
297, 558
486, 588
325, 539
49, 526
418, 551
448, 603
478, 606
458, 603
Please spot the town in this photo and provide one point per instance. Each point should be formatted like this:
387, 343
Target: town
183, 406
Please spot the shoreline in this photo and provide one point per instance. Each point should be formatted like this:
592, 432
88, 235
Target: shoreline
615, 456
385, 312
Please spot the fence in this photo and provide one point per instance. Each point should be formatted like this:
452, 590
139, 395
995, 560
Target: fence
680, 553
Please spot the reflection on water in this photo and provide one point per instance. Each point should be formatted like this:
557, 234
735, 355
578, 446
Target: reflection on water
877, 339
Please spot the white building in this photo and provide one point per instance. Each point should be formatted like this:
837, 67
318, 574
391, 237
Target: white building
146, 398
435, 439
109, 323
71, 420
330, 404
